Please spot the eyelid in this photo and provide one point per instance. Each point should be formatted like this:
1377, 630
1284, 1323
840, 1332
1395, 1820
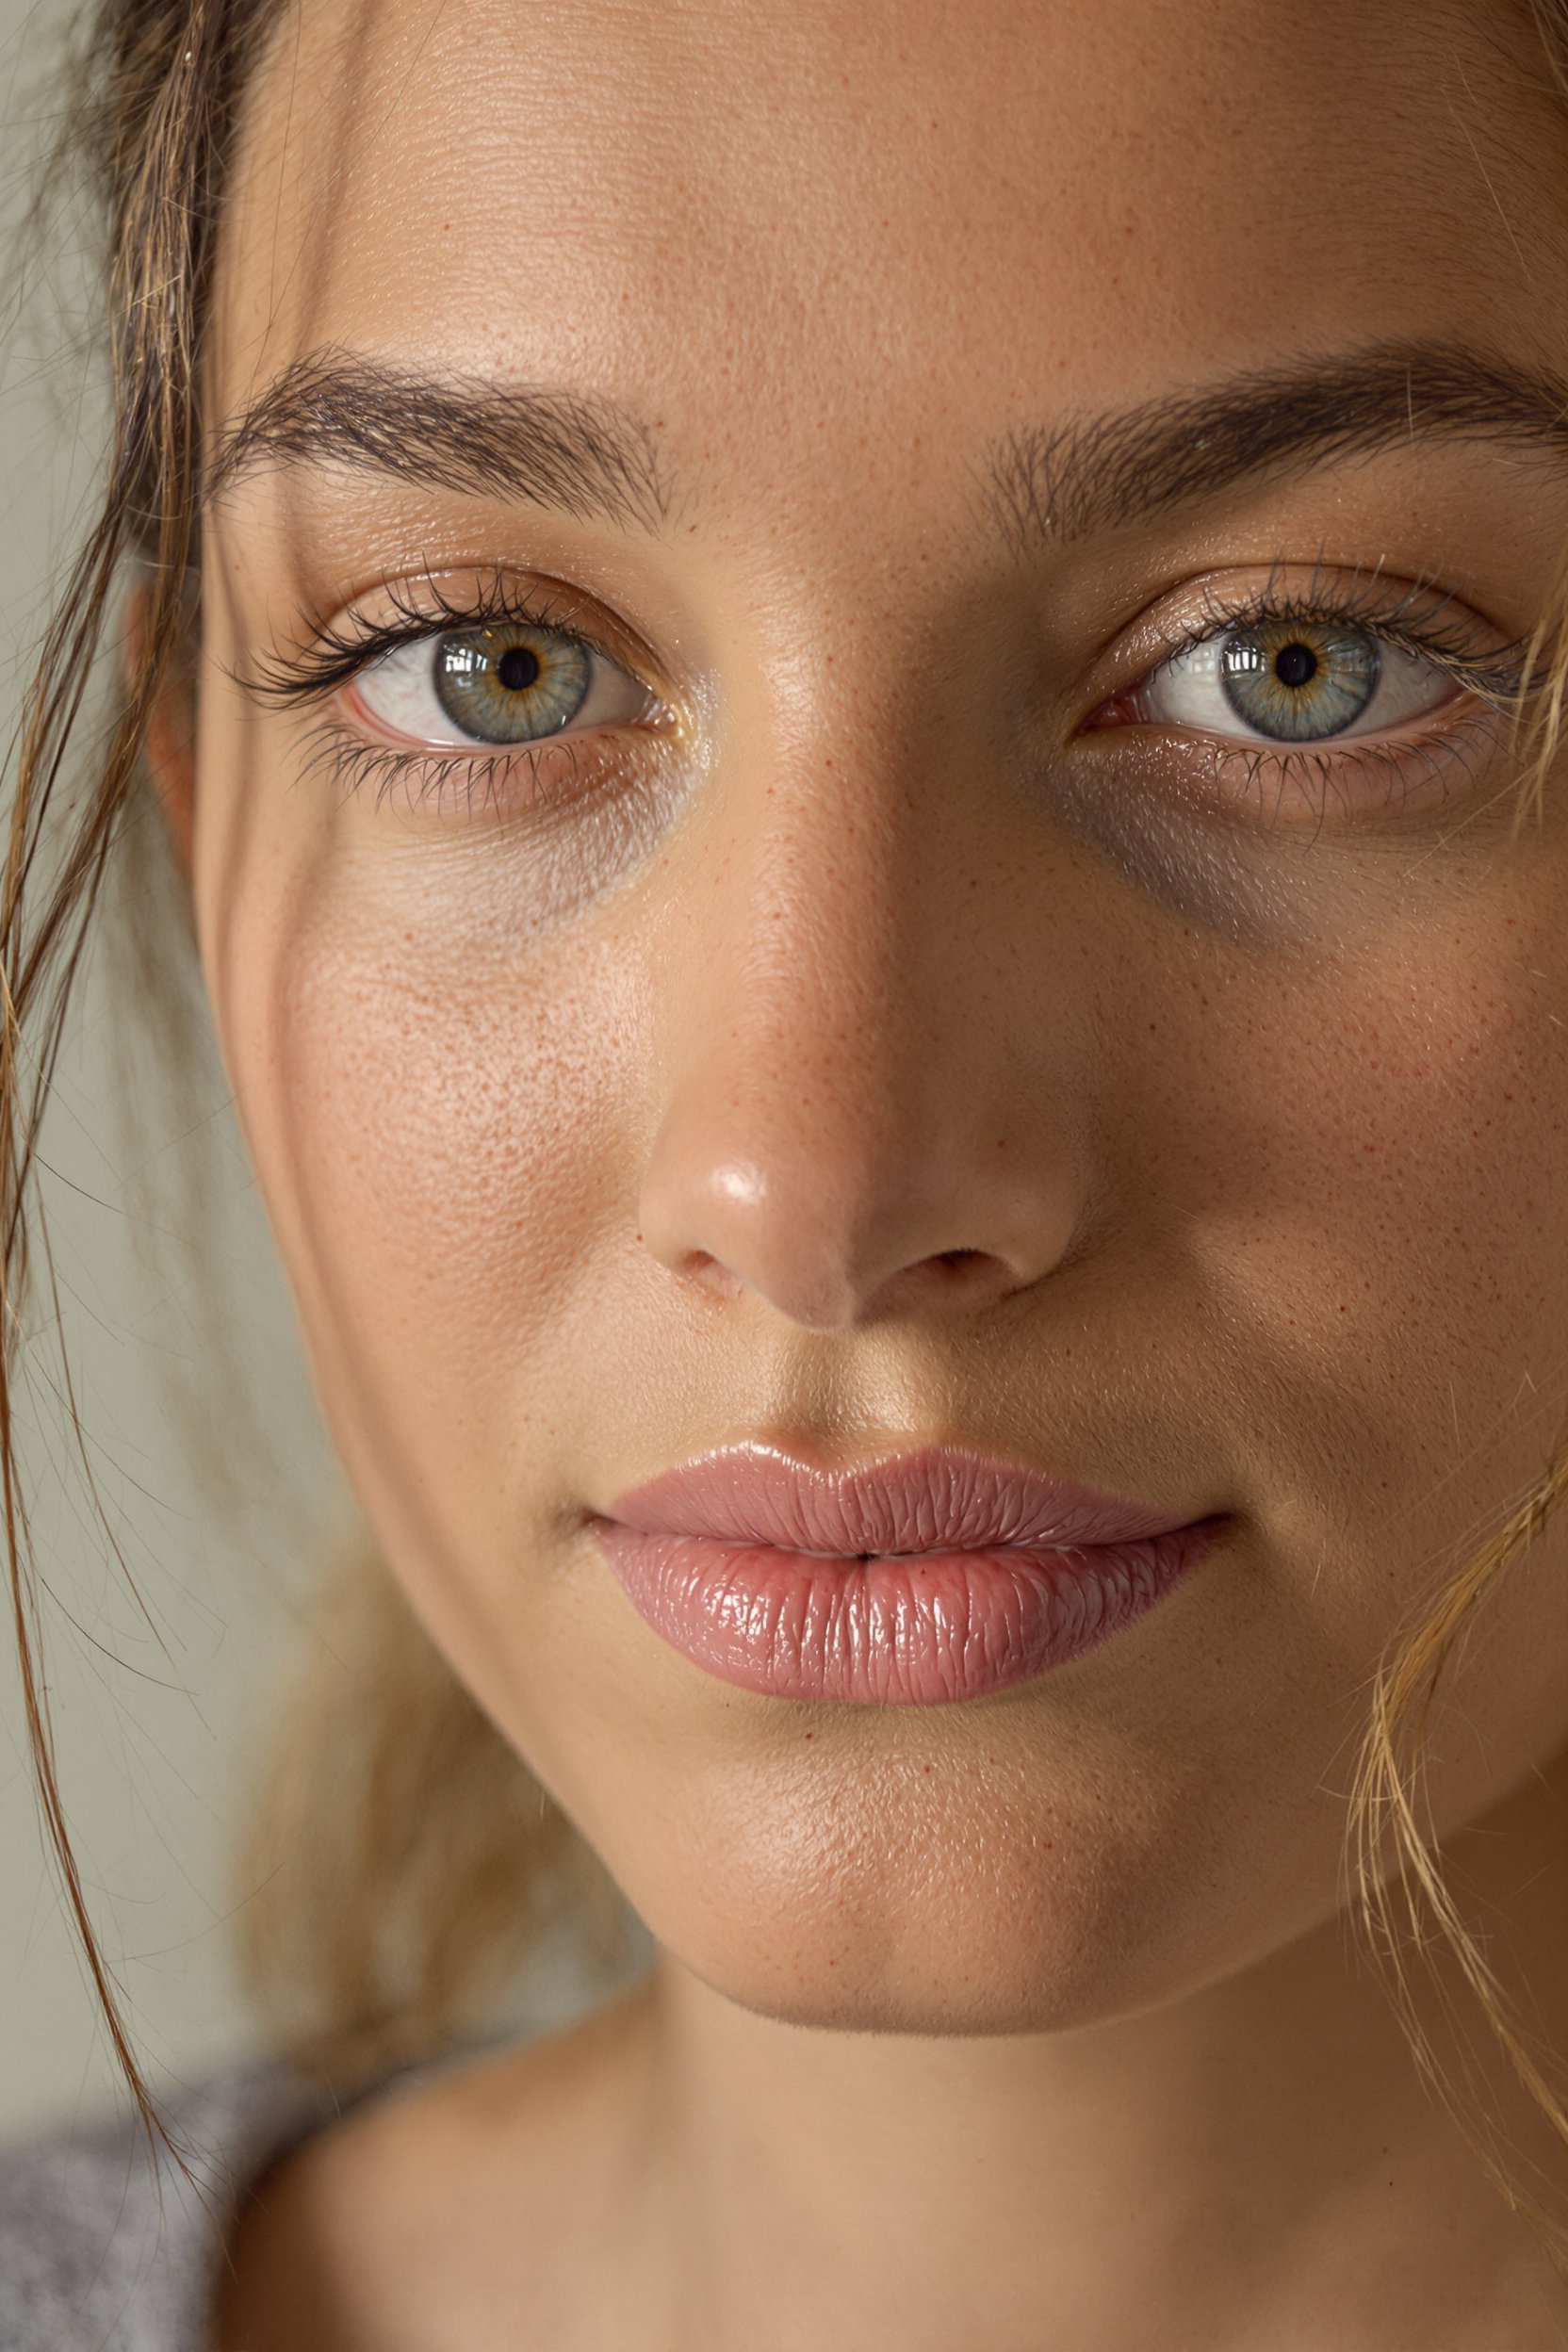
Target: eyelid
1422, 618
328, 653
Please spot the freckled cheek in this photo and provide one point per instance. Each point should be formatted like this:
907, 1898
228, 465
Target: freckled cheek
440, 1136
1379, 1199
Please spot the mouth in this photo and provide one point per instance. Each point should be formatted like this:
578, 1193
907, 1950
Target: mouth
921, 1579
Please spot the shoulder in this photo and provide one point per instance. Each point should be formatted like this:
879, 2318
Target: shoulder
105, 2240
71, 2207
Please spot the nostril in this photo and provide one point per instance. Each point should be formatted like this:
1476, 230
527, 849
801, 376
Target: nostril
961, 1276
709, 1272
952, 1267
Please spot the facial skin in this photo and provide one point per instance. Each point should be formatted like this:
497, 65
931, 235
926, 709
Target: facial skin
860, 1049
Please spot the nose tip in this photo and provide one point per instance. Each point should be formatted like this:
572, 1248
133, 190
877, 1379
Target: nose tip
829, 1255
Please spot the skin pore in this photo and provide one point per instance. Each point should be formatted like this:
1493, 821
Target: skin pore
885, 1028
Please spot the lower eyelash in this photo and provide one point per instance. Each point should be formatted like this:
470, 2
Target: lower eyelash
1321, 776
484, 782
480, 782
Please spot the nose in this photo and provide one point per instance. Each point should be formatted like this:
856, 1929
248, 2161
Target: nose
853, 1119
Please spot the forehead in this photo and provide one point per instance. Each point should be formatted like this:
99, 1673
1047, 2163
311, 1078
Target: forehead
792, 226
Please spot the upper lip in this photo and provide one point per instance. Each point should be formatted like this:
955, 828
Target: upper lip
938, 1498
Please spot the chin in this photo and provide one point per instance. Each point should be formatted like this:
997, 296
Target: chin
959, 2009
925, 1937
955, 1977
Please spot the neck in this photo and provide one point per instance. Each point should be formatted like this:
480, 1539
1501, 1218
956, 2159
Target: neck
1258, 2162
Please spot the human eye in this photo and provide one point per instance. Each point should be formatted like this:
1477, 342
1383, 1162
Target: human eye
1296, 682
1360, 694
510, 682
443, 697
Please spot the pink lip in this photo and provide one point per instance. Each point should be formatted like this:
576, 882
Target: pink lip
930, 1576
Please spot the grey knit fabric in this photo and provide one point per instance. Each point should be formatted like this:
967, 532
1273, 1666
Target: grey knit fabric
102, 2250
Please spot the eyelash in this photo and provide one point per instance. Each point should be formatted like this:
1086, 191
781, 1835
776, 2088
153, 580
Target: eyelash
349, 643
341, 650
338, 652
1498, 678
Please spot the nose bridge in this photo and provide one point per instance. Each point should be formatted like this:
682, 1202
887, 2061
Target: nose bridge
822, 991
837, 1131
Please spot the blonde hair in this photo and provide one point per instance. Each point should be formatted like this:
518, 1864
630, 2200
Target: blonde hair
1405, 1904
379, 1926
404, 1861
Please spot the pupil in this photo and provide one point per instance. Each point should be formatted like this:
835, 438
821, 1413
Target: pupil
518, 669
1296, 665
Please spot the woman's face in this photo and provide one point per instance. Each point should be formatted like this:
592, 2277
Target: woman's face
949, 883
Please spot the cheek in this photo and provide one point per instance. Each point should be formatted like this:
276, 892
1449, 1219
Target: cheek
1369, 1168
438, 1112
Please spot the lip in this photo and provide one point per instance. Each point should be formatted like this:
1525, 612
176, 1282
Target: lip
921, 1580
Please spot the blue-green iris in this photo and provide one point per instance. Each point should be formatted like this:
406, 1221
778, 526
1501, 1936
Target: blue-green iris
510, 682
1298, 681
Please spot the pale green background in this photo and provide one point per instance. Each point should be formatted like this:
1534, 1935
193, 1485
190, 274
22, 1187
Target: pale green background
152, 1712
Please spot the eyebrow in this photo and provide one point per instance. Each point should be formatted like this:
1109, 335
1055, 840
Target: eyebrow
584, 457
1043, 485
1046, 484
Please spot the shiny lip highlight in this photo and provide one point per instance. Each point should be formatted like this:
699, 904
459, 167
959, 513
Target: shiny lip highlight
926, 1578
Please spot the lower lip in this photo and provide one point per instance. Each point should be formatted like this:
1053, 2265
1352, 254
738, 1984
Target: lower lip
914, 1630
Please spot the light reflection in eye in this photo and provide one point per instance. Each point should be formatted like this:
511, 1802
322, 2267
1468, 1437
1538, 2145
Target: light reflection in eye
503, 682
1292, 681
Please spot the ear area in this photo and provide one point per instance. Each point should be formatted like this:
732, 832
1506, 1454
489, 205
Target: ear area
171, 741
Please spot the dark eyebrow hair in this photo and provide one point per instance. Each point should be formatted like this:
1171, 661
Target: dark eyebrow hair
1045, 483
1049, 483
550, 448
